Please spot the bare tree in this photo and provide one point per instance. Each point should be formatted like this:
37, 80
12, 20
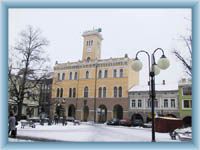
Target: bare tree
186, 60
27, 66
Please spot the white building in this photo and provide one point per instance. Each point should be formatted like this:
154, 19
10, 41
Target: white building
166, 102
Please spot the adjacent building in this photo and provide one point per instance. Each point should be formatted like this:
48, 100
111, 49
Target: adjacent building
166, 102
93, 88
45, 94
185, 100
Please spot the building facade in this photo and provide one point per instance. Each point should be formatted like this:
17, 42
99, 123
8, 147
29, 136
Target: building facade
166, 102
93, 89
185, 100
45, 94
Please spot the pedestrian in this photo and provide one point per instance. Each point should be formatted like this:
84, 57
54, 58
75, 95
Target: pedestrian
12, 125
56, 119
64, 122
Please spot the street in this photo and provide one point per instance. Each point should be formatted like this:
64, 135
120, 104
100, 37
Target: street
88, 132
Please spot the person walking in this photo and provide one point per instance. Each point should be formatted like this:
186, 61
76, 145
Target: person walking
64, 121
12, 125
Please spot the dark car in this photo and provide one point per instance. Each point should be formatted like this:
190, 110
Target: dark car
114, 122
137, 122
125, 122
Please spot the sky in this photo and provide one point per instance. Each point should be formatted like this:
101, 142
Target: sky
124, 31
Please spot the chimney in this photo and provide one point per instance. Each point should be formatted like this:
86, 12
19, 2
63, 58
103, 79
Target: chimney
163, 82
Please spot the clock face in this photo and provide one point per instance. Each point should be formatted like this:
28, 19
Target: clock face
89, 49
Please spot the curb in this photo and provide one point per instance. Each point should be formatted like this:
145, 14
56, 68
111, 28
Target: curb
37, 139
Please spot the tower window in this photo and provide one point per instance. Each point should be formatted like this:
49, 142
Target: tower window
87, 74
88, 59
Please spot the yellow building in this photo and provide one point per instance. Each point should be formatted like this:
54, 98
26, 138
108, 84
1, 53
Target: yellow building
93, 84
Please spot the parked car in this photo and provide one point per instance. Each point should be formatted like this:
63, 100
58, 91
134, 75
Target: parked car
125, 122
137, 122
113, 122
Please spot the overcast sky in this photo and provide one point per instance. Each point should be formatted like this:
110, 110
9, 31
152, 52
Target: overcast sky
123, 30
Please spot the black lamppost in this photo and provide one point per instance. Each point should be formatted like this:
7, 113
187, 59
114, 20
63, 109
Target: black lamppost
163, 63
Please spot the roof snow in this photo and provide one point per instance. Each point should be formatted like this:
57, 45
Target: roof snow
158, 87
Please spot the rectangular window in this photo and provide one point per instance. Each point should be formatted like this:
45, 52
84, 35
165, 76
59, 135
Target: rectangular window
149, 103
165, 103
187, 104
139, 103
187, 90
133, 104
173, 103
156, 103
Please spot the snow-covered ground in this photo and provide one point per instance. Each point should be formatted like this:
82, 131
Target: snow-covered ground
87, 132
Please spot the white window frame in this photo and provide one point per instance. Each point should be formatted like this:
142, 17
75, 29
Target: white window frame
183, 104
132, 103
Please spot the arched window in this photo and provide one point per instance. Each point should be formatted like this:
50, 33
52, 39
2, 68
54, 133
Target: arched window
87, 75
88, 59
86, 91
75, 76
106, 74
58, 92
70, 76
104, 92
100, 74
61, 92
74, 92
100, 91
120, 91
63, 76
91, 42
70, 92
115, 91
121, 73
114, 73
58, 76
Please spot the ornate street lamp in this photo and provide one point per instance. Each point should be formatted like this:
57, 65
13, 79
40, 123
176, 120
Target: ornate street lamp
163, 63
